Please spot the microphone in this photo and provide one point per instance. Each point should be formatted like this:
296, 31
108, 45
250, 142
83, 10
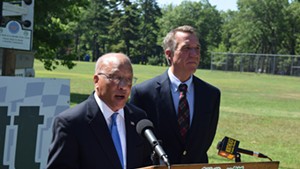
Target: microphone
229, 148
144, 127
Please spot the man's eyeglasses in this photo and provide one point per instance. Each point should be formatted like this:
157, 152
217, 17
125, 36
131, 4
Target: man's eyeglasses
118, 79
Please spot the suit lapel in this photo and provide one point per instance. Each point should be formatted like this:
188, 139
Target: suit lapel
200, 118
167, 112
101, 132
131, 136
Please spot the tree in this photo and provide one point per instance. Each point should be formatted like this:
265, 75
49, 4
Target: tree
292, 42
267, 27
202, 16
146, 46
51, 31
93, 27
261, 26
124, 25
229, 22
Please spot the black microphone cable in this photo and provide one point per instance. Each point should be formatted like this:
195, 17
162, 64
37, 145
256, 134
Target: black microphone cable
228, 148
253, 153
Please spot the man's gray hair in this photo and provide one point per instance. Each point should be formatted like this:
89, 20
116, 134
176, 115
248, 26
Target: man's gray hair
169, 41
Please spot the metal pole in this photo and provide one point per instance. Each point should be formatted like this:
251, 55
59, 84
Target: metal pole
273, 65
211, 61
242, 64
292, 65
1, 8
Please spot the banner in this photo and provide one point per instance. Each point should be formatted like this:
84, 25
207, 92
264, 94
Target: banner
27, 109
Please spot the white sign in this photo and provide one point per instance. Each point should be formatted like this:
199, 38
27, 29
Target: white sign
13, 36
27, 110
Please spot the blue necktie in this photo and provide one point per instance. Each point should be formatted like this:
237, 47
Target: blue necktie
115, 136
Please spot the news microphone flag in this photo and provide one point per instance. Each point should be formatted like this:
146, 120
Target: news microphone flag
228, 147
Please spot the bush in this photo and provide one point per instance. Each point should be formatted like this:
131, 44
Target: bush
155, 60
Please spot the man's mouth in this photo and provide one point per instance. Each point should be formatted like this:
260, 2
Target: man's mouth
120, 97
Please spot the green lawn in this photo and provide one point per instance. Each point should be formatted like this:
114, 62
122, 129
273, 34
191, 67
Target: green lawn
261, 111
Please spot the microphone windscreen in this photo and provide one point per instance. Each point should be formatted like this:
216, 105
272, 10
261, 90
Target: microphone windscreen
143, 125
228, 147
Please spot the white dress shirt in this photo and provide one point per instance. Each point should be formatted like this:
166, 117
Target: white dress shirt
107, 113
175, 82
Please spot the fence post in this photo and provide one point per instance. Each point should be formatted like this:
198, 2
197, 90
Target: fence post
292, 65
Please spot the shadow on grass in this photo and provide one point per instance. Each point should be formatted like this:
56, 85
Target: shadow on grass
77, 98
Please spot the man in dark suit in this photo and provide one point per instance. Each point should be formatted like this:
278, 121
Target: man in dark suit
159, 97
83, 136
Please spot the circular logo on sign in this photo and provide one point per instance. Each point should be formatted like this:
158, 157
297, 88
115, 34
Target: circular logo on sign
14, 27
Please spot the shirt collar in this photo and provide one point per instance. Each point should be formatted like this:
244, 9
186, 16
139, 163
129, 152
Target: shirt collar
106, 111
175, 82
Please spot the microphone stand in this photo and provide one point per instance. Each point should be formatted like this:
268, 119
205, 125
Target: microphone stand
159, 161
237, 157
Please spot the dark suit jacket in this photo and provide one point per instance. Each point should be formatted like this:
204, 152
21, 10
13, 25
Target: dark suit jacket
82, 140
154, 96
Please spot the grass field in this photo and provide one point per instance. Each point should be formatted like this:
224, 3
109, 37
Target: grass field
261, 111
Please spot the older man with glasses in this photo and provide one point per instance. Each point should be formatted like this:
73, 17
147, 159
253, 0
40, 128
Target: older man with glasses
100, 132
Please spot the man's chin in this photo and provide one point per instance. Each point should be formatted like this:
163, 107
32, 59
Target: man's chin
193, 68
120, 104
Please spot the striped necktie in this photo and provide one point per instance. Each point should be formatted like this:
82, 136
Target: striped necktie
183, 111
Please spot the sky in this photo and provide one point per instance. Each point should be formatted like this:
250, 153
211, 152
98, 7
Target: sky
220, 4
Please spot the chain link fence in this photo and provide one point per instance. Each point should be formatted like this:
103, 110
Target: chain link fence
259, 63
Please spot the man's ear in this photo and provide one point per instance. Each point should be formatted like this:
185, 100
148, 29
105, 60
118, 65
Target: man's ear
168, 54
96, 79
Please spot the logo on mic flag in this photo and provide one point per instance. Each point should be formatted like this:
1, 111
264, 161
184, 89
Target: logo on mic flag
228, 147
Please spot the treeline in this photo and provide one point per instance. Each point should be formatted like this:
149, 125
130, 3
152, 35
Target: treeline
69, 30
